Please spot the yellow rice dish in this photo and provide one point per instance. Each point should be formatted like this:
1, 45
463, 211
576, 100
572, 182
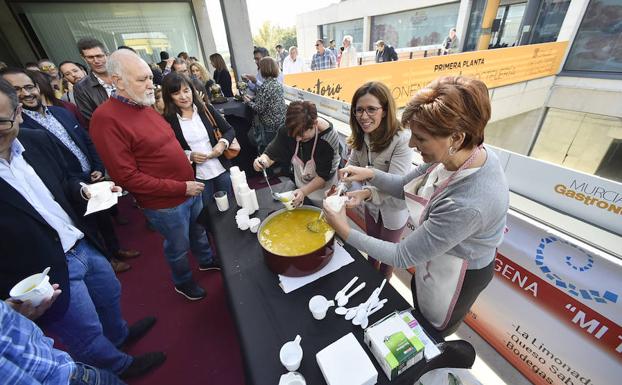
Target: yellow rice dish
287, 234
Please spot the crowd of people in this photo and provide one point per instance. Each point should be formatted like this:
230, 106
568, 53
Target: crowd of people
152, 130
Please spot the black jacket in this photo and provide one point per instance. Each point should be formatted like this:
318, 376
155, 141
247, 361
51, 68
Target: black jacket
28, 243
387, 54
89, 94
80, 137
223, 79
225, 128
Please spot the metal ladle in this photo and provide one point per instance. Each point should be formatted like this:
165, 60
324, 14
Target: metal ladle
275, 196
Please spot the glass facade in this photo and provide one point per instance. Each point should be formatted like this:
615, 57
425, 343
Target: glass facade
475, 25
582, 141
598, 44
336, 31
147, 27
509, 17
423, 26
549, 22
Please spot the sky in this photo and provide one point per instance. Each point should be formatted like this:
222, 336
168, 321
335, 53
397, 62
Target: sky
278, 12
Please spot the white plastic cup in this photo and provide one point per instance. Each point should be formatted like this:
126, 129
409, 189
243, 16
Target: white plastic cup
318, 305
291, 354
222, 202
292, 378
31, 289
234, 170
242, 211
243, 223
287, 199
253, 224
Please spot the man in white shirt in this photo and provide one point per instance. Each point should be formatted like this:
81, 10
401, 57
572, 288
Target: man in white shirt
348, 56
293, 64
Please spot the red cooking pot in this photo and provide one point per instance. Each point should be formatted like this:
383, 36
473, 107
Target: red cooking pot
300, 265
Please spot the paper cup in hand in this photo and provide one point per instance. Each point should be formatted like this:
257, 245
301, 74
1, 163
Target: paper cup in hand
222, 201
33, 289
335, 203
287, 198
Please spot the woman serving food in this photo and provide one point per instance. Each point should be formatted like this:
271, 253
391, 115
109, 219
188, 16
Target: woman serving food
457, 201
312, 146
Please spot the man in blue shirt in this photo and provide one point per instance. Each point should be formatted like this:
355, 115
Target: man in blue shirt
28, 357
323, 59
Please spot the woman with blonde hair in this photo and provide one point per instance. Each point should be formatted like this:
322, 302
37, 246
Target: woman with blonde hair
379, 142
457, 200
200, 73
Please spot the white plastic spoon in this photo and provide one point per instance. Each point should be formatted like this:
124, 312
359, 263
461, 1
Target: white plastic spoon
347, 287
362, 308
379, 306
344, 299
43, 275
352, 312
343, 310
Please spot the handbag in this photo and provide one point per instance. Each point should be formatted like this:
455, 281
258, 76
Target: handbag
234, 147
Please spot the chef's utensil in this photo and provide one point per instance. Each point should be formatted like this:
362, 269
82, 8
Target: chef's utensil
347, 287
343, 300
275, 196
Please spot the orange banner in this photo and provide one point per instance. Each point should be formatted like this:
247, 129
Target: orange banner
497, 67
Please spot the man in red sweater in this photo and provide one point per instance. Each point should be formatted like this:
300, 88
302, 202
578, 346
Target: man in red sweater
141, 154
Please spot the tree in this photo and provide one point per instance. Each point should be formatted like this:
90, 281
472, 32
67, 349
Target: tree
270, 35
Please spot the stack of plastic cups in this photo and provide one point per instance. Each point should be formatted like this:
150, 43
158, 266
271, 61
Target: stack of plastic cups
238, 178
248, 198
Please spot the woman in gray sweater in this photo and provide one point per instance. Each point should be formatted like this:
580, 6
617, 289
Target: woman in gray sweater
379, 141
457, 202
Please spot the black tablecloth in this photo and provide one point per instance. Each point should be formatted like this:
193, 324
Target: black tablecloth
240, 117
266, 317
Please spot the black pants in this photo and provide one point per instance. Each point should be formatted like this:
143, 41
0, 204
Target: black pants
475, 281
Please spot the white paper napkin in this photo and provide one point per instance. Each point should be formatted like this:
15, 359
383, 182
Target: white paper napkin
340, 259
102, 197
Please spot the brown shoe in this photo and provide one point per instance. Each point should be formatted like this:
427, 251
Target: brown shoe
127, 254
119, 266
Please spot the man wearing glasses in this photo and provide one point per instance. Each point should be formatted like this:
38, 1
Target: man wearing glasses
323, 59
97, 87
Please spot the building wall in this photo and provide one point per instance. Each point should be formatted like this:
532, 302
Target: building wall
307, 23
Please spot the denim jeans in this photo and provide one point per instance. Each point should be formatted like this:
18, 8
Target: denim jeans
220, 183
88, 375
92, 327
178, 225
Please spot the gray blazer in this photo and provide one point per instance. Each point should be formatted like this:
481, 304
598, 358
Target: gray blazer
395, 159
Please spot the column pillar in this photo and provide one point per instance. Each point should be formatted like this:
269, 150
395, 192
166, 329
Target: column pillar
366, 33
492, 6
239, 36
206, 36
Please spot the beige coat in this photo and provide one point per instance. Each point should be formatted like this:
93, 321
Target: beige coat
395, 159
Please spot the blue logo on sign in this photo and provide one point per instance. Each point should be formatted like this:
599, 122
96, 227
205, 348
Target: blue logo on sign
587, 294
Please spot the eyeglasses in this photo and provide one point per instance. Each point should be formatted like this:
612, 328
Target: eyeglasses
48, 67
28, 88
317, 45
7, 124
371, 110
93, 57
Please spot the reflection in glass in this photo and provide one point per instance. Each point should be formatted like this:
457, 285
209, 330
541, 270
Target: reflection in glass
598, 44
423, 26
336, 31
550, 19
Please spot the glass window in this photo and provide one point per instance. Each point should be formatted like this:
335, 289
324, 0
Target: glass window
550, 19
147, 27
598, 44
511, 17
423, 26
336, 31
581, 141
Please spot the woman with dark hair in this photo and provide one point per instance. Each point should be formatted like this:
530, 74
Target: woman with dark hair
194, 124
221, 74
312, 145
48, 96
457, 200
379, 142
268, 104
